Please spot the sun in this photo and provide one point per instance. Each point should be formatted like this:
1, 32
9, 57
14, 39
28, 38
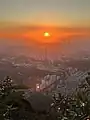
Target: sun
46, 34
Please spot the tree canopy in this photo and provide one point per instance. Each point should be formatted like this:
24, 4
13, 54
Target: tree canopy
14, 105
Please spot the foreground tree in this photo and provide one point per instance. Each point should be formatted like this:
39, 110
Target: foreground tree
13, 106
75, 106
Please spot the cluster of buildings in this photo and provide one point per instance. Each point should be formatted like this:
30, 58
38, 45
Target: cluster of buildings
47, 82
64, 85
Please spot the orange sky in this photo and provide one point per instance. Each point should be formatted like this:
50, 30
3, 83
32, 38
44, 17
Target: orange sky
37, 34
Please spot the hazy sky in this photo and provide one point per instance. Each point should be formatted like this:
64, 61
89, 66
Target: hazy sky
46, 12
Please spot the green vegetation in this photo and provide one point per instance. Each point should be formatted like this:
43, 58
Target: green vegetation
13, 105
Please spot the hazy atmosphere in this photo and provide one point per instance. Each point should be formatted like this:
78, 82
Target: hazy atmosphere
44, 59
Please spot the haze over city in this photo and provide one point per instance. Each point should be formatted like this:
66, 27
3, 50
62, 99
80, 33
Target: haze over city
44, 59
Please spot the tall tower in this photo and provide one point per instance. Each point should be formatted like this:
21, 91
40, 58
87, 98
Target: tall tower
45, 54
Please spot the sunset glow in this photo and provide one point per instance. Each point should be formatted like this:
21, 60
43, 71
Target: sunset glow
46, 34
41, 22
38, 35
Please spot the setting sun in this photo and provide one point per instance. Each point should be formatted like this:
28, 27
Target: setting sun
46, 34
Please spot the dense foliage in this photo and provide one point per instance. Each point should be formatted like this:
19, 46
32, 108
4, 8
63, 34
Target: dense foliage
13, 105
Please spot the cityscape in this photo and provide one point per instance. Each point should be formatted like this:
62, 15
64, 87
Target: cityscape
44, 60
44, 74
